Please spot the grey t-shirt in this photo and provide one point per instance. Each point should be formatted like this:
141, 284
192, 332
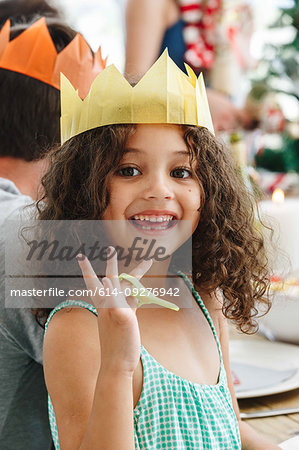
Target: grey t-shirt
24, 423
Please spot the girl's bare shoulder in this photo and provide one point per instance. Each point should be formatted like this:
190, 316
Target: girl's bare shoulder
69, 321
71, 333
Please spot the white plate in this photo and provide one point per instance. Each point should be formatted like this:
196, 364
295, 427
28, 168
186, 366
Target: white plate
266, 355
290, 444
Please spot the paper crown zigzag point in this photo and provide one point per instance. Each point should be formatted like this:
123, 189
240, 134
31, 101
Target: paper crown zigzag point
164, 94
34, 54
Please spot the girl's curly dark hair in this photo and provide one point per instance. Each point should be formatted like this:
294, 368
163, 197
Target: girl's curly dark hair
227, 250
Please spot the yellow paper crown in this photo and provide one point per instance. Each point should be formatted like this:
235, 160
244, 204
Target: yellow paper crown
33, 53
165, 94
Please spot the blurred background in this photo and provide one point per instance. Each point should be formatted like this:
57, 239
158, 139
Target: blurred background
255, 65
248, 51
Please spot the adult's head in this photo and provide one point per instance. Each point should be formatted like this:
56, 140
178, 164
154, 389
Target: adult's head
30, 108
21, 11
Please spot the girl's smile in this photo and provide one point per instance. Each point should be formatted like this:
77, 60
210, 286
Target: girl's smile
154, 186
153, 221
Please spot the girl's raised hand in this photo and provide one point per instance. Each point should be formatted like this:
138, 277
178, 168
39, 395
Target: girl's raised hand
117, 321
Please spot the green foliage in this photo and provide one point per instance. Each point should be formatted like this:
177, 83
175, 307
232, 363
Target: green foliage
285, 159
279, 66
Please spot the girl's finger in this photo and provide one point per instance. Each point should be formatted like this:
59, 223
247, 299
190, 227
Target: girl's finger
113, 300
138, 272
112, 268
89, 275
141, 269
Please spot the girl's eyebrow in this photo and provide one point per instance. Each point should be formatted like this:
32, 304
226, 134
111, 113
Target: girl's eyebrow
137, 150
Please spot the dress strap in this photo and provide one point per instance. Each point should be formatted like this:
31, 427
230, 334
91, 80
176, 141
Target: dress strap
70, 304
204, 310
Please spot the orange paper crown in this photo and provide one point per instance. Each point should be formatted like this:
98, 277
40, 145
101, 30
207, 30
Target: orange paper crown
33, 53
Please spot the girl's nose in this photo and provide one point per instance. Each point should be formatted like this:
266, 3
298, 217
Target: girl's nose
158, 187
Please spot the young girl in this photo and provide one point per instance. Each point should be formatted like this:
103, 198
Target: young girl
122, 378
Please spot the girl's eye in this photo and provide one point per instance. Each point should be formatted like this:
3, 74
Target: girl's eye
128, 172
180, 172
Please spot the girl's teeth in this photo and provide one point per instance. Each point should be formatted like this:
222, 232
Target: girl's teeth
154, 218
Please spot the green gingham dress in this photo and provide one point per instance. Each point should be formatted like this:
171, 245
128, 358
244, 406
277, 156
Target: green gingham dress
172, 412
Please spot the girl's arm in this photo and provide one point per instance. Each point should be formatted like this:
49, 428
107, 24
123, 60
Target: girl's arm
250, 439
89, 364
146, 23
90, 404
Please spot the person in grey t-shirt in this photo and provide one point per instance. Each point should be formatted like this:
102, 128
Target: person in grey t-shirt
29, 118
23, 395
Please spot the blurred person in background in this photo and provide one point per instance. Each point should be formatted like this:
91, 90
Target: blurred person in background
19, 11
26, 133
188, 30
